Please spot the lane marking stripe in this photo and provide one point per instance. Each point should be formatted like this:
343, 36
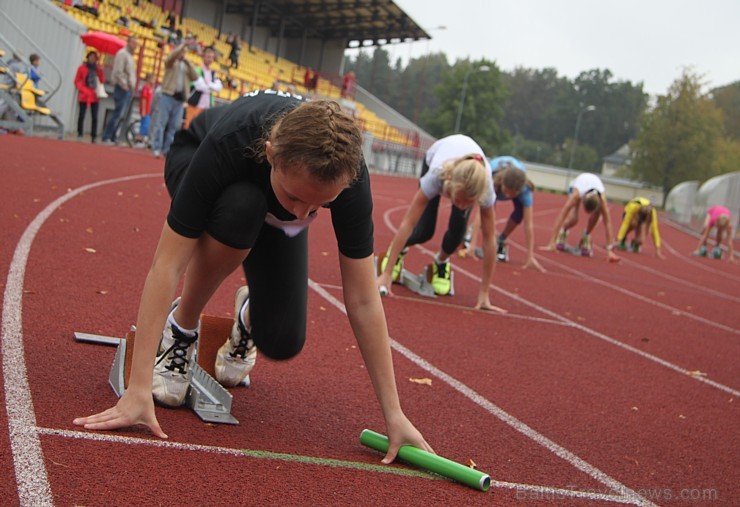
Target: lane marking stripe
626, 493
309, 460
28, 459
583, 328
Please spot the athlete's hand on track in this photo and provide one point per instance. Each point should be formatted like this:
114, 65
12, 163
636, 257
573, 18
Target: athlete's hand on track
133, 408
402, 432
484, 303
533, 263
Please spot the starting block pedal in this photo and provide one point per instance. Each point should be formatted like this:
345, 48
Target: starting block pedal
206, 397
419, 284
573, 250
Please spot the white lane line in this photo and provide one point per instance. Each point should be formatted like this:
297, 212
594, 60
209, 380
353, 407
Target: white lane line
652, 271
672, 309
655, 272
28, 459
256, 454
436, 302
698, 263
596, 474
583, 328
692, 285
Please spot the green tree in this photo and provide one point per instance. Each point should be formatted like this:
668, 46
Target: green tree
482, 108
727, 98
728, 156
618, 108
532, 94
679, 138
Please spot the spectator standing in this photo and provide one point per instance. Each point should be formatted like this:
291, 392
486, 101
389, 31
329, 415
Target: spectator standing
236, 47
34, 72
145, 108
178, 72
203, 88
124, 79
89, 74
348, 85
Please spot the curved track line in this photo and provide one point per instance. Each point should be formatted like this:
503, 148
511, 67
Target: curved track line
28, 459
698, 264
627, 495
581, 327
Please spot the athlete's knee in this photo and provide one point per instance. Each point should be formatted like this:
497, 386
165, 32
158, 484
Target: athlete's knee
281, 345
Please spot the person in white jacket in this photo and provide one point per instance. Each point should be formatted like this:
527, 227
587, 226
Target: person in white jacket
204, 88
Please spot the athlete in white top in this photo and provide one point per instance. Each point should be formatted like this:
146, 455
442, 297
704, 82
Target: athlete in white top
589, 189
454, 167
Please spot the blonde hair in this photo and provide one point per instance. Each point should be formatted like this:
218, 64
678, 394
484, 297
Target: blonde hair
469, 174
722, 221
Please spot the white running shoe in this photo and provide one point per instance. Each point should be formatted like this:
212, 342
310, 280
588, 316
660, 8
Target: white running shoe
172, 365
236, 358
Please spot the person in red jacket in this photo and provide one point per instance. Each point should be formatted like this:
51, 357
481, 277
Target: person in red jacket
89, 74
145, 110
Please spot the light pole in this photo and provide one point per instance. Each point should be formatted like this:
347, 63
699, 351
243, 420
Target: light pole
574, 141
482, 68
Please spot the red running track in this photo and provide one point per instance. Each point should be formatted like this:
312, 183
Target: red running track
604, 384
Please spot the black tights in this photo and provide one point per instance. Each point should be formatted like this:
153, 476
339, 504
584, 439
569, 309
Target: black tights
424, 229
81, 119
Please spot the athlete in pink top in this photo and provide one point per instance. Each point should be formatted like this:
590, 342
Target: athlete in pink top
719, 217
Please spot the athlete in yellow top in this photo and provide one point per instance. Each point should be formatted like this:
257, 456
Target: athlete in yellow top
639, 215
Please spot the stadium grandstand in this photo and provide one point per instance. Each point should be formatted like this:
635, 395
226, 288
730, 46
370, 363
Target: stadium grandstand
282, 44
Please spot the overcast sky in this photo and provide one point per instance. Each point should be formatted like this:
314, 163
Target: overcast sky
648, 41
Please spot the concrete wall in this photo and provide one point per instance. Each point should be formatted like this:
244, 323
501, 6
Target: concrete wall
557, 179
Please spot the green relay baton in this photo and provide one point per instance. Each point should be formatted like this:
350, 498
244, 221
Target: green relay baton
429, 461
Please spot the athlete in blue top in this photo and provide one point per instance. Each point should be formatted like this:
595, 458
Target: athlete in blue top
511, 184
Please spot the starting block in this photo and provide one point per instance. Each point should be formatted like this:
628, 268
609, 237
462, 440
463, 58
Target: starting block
420, 284
573, 250
206, 397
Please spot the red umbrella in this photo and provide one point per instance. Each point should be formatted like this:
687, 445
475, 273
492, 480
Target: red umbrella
103, 42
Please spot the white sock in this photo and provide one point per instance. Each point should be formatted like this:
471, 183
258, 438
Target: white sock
187, 332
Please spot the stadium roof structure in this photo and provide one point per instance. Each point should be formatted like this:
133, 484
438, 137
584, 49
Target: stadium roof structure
379, 21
